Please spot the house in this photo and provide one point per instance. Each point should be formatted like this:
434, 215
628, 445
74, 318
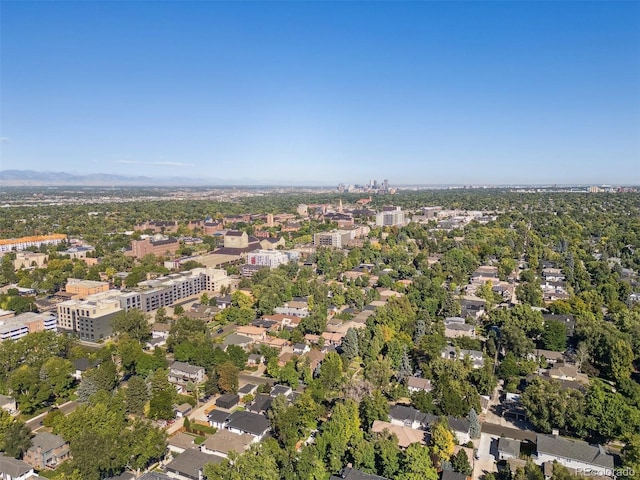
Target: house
350, 473
237, 340
449, 475
160, 330
123, 476
218, 418
182, 410
284, 390
12, 469
250, 423
47, 451
416, 384
189, 464
550, 356
277, 343
224, 301
406, 435
334, 339
452, 353
455, 327
592, 460
254, 333
182, 373
300, 348
562, 371
224, 441
569, 321
254, 360
180, 442
261, 403
155, 476
508, 448
461, 428
227, 401
472, 306
248, 389
284, 358
80, 366
405, 416
9, 404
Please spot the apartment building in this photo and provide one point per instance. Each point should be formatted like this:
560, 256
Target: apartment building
333, 239
267, 258
165, 291
390, 217
90, 319
22, 243
17, 327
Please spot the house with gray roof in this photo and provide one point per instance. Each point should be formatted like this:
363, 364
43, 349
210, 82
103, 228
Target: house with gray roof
47, 451
12, 469
247, 422
182, 373
508, 448
349, 473
189, 464
155, 476
591, 460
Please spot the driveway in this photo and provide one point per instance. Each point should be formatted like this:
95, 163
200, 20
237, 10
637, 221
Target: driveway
487, 454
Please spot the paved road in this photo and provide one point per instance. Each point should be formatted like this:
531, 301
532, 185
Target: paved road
36, 422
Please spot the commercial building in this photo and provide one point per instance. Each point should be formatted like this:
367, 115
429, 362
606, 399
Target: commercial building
83, 288
158, 245
17, 327
29, 259
22, 243
271, 258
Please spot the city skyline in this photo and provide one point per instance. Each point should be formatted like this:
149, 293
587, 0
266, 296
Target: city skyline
314, 93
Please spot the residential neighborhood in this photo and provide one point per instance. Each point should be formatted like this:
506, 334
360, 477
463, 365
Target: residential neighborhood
377, 344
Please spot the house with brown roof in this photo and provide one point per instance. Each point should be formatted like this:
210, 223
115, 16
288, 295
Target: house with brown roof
254, 333
224, 441
406, 435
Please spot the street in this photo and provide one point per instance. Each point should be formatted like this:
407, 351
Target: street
36, 422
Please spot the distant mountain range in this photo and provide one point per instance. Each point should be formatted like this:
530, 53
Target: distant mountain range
31, 178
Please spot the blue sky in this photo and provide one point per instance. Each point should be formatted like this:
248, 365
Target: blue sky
324, 92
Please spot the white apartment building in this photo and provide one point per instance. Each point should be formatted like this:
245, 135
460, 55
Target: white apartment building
390, 218
17, 327
267, 258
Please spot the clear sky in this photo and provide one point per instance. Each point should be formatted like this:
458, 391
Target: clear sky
324, 92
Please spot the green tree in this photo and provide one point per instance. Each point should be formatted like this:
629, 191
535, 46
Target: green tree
460, 463
350, 344
554, 336
133, 323
137, 395
228, 377
15, 437
417, 464
442, 440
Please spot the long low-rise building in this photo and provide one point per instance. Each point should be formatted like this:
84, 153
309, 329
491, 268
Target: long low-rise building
22, 243
17, 327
